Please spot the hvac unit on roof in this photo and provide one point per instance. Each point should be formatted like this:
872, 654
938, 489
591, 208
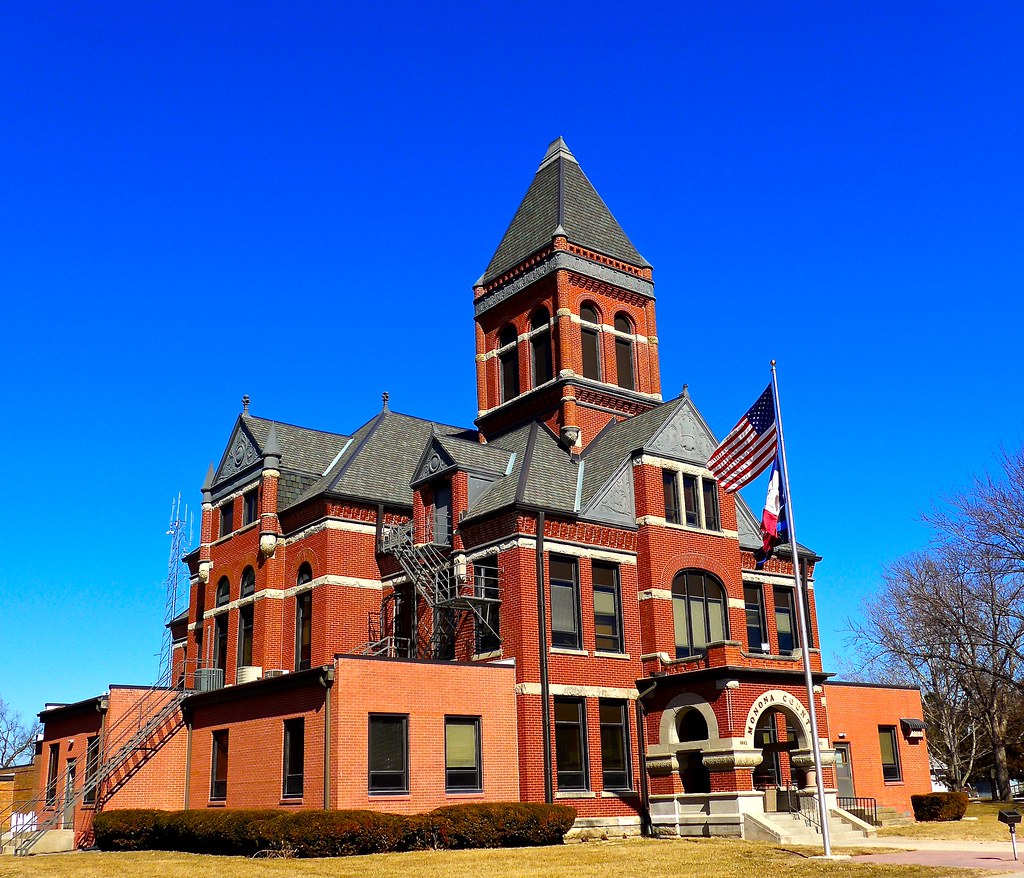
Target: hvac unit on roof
276, 672
249, 674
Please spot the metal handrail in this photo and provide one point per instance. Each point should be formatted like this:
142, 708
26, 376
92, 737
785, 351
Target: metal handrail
859, 806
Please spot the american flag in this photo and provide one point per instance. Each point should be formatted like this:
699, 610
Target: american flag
749, 448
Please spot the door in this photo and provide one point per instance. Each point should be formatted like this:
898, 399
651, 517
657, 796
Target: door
844, 771
68, 811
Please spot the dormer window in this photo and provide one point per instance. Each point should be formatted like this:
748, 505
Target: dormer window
508, 363
540, 347
624, 352
590, 339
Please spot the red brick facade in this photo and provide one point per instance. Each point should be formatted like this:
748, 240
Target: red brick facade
623, 633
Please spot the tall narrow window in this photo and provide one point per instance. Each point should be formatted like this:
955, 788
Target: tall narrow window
303, 620
670, 482
248, 583
485, 586
540, 347
615, 761
51, 774
462, 753
508, 363
442, 519
785, 618
757, 625
607, 608
250, 506
223, 591
245, 625
565, 603
698, 607
590, 337
220, 642
227, 518
691, 501
389, 753
92, 767
219, 766
890, 753
624, 352
294, 757
571, 744
709, 491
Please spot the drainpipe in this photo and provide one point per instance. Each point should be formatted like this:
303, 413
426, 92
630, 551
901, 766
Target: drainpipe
186, 715
646, 826
327, 681
542, 646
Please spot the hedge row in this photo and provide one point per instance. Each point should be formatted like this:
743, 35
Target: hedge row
939, 806
332, 833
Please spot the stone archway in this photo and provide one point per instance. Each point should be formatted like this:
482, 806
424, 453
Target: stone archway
798, 719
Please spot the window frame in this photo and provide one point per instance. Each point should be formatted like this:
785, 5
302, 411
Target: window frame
487, 586
621, 729
451, 773
788, 603
695, 514
564, 638
507, 352
541, 348
572, 780
590, 341
294, 731
227, 518
220, 642
250, 506
625, 355
247, 585
219, 765
92, 767
52, 770
246, 626
683, 594
402, 721
892, 772
763, 646
615, 589
223, 595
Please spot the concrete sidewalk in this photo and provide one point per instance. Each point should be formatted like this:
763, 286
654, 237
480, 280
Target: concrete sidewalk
991, 855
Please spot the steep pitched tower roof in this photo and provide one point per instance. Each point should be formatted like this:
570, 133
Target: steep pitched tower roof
565, 313
561, 201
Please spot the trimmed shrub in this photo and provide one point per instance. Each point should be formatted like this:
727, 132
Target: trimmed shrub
939, 806
235, 832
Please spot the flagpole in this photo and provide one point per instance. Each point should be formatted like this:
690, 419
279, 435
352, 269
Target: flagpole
804, 625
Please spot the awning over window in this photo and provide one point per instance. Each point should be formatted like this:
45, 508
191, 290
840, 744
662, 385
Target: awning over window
911, 725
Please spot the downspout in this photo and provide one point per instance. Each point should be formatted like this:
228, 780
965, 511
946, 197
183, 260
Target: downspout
327, 681
646, 827
186, 715
542, 646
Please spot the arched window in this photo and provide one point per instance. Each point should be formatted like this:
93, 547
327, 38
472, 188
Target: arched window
698, 608
624, 352
508, 363
248, 583
590, 337
223, 591
303, 620
540, 346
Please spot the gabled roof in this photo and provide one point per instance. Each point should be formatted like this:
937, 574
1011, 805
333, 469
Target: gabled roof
302, 449
561, 200
380, 461
475, 457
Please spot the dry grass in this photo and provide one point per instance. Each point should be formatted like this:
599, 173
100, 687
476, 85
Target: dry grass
985, 828
708, 858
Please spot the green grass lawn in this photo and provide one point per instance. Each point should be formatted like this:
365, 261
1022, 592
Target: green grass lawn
985, 826
707, 858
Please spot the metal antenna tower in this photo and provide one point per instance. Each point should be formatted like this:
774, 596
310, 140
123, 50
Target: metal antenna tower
180, 532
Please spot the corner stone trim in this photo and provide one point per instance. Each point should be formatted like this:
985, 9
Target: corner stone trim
731, 760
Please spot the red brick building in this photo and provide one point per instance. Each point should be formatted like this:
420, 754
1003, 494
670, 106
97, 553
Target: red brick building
557, 603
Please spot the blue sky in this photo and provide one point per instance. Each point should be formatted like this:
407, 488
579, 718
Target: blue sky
205, 200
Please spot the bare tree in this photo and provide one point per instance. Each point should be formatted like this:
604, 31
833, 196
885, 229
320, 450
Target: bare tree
17, 738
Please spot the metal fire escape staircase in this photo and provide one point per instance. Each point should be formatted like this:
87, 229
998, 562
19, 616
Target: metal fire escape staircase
146, 733
430, 569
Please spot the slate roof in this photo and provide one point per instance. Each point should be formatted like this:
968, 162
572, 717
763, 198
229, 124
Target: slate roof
470, 455
381, 460
561, 199
302, 449
543, 474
